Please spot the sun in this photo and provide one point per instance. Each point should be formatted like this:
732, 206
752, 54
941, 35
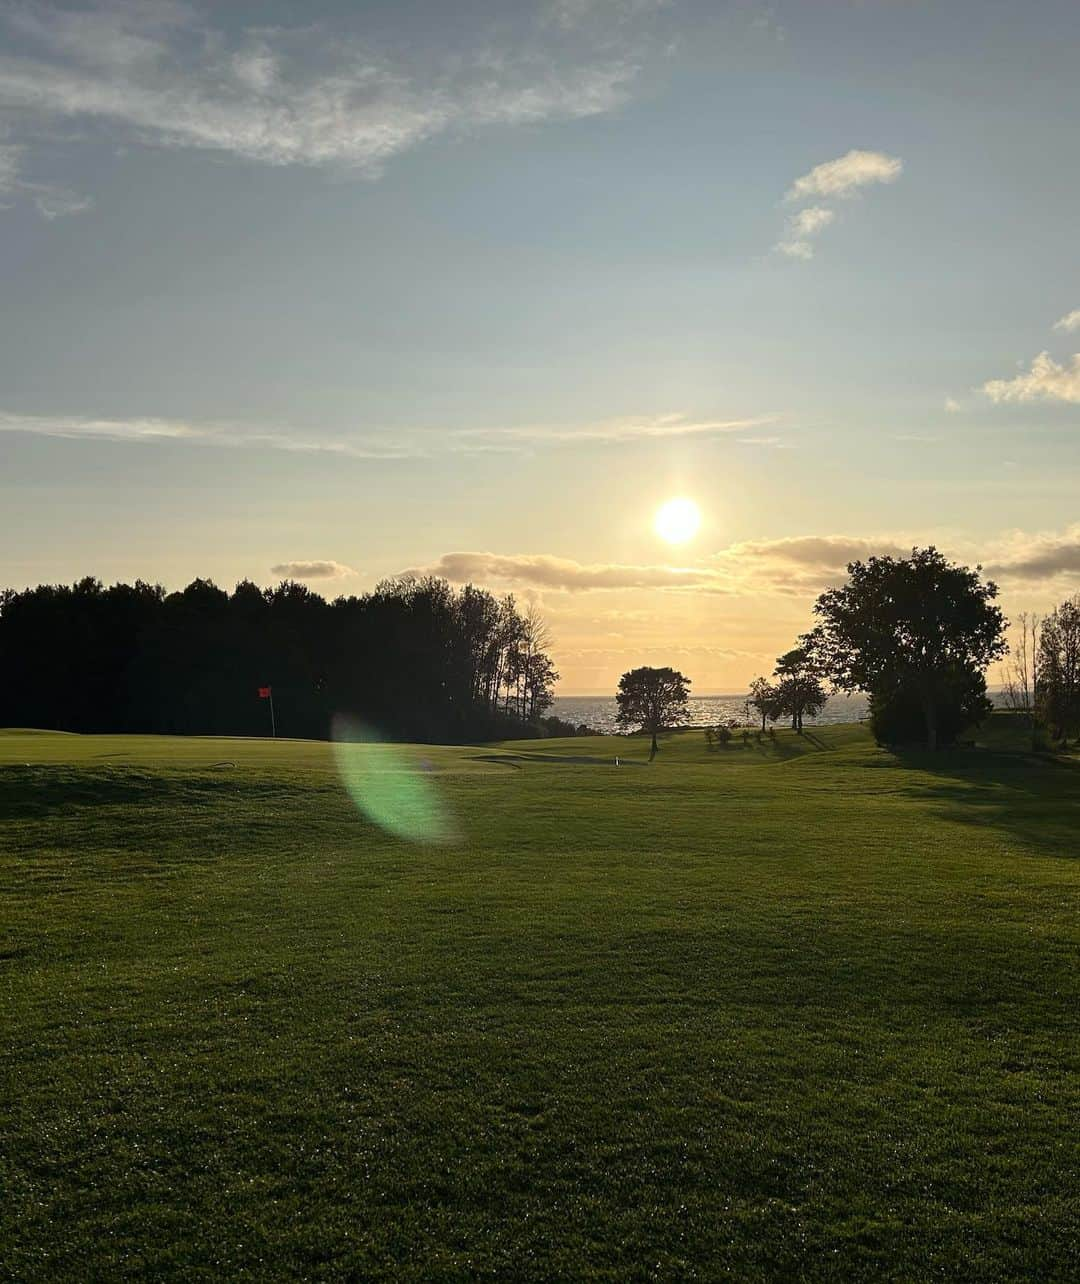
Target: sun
677, 521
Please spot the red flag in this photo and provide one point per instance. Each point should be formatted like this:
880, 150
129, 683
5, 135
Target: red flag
264, 693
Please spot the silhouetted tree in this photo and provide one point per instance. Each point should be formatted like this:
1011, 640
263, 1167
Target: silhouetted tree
799, 691
763, 699
1057, 683
652, 699
915, 634
1021, 687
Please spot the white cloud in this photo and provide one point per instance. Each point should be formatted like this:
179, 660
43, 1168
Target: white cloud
318, 570
801, 227
1069, 322
952, 406
1045, 381
305, 95
845, 175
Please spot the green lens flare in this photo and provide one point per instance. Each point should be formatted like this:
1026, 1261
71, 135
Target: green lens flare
391, 785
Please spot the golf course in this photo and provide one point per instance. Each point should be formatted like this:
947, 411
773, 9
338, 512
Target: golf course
797, 1008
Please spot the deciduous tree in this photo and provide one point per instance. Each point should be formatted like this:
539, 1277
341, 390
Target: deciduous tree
652, 699
917, 631
799, 691
763, 699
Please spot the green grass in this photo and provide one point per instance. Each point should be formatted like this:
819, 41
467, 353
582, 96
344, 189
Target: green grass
797, 1010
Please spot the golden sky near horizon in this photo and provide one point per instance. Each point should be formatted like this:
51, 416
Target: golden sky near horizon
477, 291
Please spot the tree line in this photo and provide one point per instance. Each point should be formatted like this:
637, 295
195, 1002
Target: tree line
418, 660
415, 659
916, 635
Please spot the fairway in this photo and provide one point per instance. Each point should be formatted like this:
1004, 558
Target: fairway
793, 1009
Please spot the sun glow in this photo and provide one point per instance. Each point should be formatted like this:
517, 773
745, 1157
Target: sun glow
677, 521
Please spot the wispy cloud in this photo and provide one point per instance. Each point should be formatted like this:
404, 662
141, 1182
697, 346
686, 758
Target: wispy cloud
1045, 381
845, 175
235, 436
400, 444
801, 227
616, 431
51, 201
1069, 322
318, 570
952, 406
57, 202
308, 95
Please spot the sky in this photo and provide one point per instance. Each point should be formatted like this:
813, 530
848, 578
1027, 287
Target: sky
339, 292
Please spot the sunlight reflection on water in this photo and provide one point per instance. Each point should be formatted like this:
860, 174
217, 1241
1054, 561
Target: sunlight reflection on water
705, 711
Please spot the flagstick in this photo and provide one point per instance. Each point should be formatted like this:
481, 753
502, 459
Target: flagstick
273, 724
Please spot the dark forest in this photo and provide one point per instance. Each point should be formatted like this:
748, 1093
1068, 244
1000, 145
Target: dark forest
414, 660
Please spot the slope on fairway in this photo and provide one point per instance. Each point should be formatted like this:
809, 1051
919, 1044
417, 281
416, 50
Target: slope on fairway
796, 1008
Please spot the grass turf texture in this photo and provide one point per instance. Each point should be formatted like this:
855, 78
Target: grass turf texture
803, 1009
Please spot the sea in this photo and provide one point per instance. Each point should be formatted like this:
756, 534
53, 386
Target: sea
705, 711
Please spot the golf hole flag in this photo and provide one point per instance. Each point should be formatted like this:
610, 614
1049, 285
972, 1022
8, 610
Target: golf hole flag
266, 693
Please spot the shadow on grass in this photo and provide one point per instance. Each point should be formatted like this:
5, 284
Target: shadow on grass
1034, 798
37, 791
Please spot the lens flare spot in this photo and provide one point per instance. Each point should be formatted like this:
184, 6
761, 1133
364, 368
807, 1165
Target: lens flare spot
391, 787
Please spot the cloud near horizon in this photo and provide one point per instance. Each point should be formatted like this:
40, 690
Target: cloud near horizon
327, 570
1069, 322
563, 573
1044, 556
799, 566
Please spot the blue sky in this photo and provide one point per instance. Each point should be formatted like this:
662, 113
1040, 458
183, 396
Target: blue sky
475, 288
